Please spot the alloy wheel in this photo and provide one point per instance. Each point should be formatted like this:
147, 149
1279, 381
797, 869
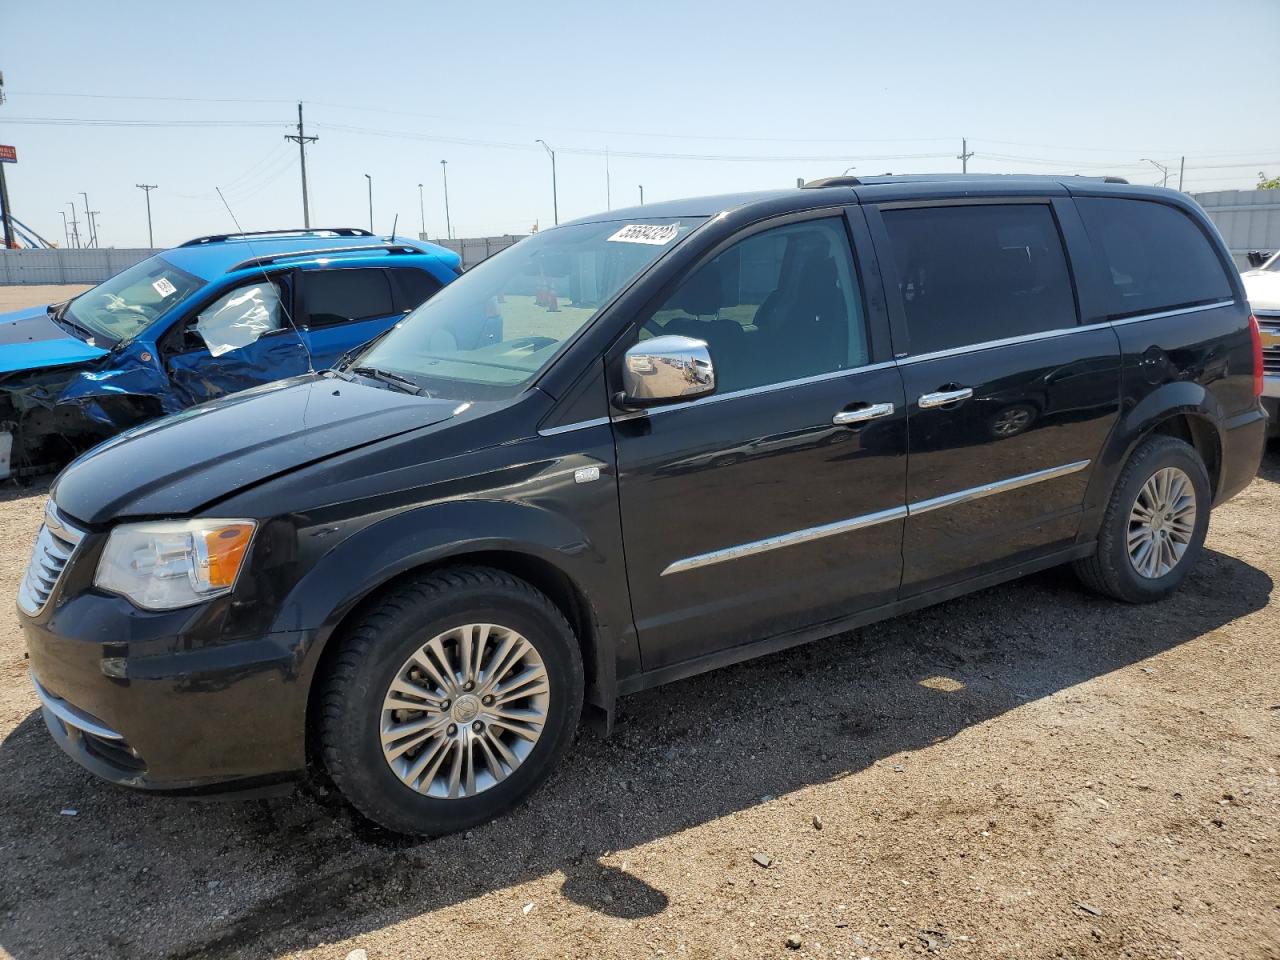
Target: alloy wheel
464, 711
1161, 523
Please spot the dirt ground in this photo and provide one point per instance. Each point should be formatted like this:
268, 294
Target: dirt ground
1027, 772
17, 296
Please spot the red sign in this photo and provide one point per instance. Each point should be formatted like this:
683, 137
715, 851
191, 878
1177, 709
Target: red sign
8, 154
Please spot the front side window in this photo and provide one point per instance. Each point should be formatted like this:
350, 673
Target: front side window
1155, 256
495, 328
343, 296
122, 307
972, 274
239, 318
781, 305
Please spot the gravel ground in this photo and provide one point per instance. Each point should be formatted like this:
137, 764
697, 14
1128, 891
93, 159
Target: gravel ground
1027, 772
17, 296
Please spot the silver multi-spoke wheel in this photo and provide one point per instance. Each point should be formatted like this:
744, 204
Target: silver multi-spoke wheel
465, 710
1162, 522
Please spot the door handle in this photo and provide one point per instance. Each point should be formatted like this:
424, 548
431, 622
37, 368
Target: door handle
943, 397
871, 411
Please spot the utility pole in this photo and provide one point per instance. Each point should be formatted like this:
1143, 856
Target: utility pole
555, 200
1182, 166
93, 226
642, 194
75, 226
88, 217
301, 139
964, 155
370, 179
422, 212
148, 187
448, 225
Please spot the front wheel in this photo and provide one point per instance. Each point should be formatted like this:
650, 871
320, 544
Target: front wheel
1154, 526
450, 701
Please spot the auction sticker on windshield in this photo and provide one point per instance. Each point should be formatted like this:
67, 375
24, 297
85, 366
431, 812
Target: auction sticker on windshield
656, 234
164, 287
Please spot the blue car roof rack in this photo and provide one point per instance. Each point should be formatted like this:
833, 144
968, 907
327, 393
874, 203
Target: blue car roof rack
389, 248
283, 234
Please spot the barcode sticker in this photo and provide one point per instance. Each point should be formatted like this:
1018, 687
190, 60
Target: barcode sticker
164, 287
656, 234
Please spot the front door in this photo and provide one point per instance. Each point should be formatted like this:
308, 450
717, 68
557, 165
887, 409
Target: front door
776, 502
1010, 398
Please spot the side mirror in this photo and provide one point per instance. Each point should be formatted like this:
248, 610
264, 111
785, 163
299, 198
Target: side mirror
665, 369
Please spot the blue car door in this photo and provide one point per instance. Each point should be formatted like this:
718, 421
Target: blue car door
343, 307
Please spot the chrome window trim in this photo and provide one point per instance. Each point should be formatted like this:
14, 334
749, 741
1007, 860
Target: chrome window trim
71, 716
996, 486
571, 427
810, 534
767, 388
785, 540
1057, 332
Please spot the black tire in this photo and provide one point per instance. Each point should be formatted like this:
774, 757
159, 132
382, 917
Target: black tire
1109, 570
381, 642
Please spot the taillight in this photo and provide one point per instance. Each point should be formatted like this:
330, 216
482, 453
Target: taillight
1256, 334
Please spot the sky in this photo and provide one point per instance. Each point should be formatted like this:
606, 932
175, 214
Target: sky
687, 98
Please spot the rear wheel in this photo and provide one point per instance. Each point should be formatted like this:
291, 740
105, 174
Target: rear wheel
1154, 526
451, 700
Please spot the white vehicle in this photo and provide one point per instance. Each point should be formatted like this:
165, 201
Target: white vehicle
1262, 287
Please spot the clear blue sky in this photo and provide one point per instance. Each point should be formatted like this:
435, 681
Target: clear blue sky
391, 88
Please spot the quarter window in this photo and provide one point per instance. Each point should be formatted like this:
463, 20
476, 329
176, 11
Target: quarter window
416, 286
972, 274
1154, 255
781, 305
340, 296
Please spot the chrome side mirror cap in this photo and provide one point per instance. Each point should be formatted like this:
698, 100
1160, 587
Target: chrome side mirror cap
666, 369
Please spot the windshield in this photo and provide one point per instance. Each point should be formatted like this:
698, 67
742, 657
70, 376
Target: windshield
124, 306
497, 326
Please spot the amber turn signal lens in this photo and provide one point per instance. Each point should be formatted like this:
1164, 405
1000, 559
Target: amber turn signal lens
224, 548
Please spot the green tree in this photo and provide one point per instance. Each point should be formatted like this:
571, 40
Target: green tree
1268, 183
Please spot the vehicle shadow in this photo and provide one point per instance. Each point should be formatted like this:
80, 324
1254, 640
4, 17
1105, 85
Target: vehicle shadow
267, 877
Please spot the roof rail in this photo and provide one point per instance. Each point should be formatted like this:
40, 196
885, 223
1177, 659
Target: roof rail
294, 232
389, 248
832, 182
1114, 180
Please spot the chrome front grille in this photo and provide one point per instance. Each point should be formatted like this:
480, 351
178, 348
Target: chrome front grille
1269, 325
55, 544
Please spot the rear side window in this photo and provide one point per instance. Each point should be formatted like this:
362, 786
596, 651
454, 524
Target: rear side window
340, 296
416, 286
971, 274
1156, 257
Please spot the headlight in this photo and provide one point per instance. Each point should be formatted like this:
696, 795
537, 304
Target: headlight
170, 564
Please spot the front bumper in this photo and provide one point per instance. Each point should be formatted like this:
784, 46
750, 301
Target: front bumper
164, 714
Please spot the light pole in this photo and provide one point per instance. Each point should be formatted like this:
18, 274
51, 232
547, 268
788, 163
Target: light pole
846, 171
642, 194
555, 201
370, 179
1159, 166
148, 187
448, 225
65, 228
422, 212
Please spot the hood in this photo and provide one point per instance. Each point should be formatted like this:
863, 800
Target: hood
30, 340
1262, 287
177, 465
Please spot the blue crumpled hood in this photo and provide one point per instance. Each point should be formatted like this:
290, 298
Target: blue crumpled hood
29, 340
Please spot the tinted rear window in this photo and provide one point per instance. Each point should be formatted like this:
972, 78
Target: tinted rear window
416, 286
1156, 257
340, 296
971, 274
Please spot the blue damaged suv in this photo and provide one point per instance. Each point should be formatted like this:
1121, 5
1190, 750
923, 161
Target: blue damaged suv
213, 316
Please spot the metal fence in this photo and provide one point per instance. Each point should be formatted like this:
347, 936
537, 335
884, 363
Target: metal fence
475, 249
1249, 220
66, 266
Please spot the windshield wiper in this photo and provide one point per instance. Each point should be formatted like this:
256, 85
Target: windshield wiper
58, 314
392, 379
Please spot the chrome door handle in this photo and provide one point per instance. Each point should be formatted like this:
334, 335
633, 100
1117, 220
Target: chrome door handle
862, 414
943, 397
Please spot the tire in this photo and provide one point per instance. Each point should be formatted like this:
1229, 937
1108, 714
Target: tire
425, 617
1111, 570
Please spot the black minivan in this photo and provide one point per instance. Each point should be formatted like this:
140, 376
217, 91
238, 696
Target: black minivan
633, 448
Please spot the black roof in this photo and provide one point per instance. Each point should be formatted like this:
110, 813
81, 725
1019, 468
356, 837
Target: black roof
912, 186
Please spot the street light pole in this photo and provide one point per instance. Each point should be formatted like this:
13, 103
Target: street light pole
148, 187
555, 200
448, 224
642, 194
422, 212
66, 230
1159, 166
370, 179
